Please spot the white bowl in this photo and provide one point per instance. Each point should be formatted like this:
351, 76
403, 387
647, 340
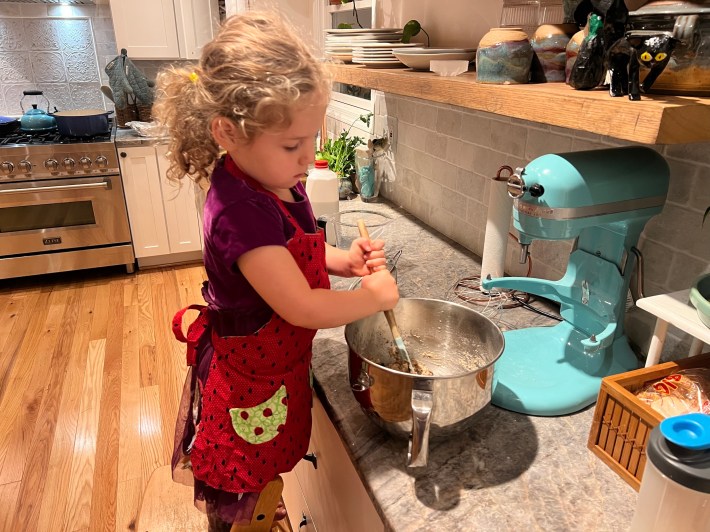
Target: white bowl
420, 61
440, 50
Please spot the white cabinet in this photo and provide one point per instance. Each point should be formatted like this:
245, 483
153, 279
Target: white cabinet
164, 29
330, 497
232, 7
348, 102
164, 217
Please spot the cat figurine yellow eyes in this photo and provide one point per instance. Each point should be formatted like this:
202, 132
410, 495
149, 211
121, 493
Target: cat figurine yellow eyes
623, 59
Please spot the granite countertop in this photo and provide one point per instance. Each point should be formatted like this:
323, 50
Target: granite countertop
127, 137
508, 471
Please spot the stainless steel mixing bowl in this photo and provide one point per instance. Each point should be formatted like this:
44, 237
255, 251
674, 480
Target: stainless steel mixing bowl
455, 343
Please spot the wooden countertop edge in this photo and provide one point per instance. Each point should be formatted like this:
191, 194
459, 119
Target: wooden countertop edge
656, 119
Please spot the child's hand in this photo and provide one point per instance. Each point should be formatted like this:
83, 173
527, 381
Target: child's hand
383, 288
366, 256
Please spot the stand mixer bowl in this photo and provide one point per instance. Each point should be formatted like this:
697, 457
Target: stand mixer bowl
455, 343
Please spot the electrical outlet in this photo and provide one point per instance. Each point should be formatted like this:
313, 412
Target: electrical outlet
392, 132
386, 127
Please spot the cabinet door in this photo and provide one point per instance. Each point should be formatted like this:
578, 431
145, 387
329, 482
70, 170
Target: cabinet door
144, 199
180, 206
298, 513
197, 21
336, 498
146, 29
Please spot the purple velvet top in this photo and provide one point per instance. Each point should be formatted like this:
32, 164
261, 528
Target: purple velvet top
237, 219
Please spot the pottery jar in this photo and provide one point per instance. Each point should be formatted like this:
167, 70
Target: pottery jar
504, 56
549, 42
688, 71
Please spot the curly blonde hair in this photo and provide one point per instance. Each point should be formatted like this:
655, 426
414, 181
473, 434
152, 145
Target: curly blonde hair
253, 72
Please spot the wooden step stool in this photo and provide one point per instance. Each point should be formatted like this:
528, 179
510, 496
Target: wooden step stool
168, 507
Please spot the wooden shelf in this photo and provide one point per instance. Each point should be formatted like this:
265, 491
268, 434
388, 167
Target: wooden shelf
656, 119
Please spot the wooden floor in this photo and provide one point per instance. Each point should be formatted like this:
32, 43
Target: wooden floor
90, 379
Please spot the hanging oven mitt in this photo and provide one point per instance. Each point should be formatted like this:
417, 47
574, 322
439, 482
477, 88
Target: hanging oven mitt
141, 85
128, 83
118, 81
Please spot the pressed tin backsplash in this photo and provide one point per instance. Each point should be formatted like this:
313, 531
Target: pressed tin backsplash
55, 55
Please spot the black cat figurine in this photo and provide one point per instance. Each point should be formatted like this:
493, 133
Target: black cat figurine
624, 57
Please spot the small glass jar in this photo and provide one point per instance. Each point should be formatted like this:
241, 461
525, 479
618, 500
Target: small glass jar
367, 183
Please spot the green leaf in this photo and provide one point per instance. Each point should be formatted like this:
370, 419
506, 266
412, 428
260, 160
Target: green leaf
345, 26
340, 151
410, 29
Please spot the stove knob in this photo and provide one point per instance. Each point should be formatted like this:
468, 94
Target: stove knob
51, 164
7, 167
102, 162
85, 163
25, 166
68, 163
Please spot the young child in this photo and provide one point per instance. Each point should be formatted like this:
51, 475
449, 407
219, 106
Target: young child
245, 416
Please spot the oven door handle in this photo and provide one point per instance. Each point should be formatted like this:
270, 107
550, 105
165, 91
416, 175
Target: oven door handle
106, 185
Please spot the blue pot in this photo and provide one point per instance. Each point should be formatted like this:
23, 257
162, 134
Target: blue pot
83, 122
8, 125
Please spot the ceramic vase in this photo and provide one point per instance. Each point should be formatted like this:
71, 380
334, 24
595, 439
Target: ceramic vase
504, 56
549, 42
572, 50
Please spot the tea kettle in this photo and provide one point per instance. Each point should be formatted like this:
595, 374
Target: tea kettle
36, 120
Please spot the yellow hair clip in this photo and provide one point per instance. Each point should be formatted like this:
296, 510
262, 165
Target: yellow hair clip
193, 77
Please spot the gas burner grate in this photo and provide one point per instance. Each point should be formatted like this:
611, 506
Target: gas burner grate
51, 137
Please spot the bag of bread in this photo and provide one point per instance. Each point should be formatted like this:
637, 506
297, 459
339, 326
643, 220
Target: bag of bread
682, 392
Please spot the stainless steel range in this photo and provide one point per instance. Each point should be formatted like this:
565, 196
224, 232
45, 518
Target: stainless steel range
61, 205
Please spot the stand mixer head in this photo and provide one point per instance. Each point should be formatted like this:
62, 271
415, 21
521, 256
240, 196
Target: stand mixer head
603, 198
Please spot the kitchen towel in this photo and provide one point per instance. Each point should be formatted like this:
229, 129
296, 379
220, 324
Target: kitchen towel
500, 208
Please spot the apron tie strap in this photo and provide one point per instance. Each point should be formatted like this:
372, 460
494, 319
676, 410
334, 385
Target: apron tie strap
194, 331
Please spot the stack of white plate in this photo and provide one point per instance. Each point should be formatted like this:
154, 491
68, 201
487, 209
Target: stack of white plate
339, 43
380, 54
419, 58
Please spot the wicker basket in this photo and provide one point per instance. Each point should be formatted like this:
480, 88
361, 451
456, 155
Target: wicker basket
126, 114
622, 423
145, 112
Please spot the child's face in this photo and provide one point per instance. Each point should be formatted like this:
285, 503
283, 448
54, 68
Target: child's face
279, 159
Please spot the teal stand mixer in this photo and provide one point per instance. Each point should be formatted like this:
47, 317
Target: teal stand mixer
603, 199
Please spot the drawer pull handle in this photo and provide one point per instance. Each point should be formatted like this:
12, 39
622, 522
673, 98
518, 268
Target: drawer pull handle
304, 521
312, 458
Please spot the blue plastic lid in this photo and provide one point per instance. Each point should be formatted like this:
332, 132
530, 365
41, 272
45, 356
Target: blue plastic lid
679, 447
690, 431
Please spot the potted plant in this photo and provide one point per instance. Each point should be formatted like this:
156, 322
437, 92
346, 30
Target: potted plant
340, 154
700, 290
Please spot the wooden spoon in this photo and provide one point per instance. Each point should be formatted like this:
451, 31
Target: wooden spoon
389, 314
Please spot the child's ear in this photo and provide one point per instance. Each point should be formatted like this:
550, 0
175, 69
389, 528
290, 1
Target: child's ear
224, 131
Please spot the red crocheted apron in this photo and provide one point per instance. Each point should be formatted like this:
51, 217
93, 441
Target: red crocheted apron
256, 403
